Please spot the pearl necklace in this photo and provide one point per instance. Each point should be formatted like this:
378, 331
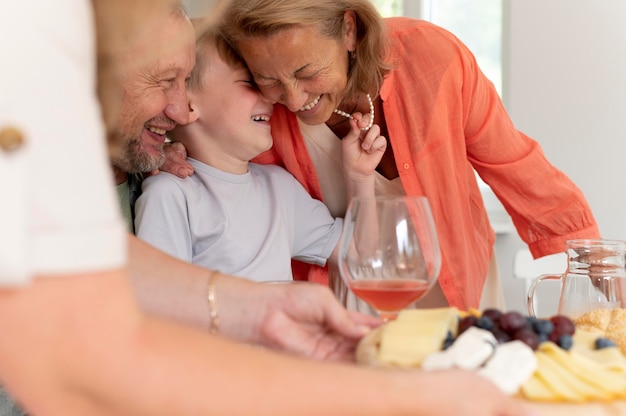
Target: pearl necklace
346, 115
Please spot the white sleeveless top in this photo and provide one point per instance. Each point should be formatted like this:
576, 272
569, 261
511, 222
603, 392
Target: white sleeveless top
325, 150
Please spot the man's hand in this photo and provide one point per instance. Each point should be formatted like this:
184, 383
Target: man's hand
176, 160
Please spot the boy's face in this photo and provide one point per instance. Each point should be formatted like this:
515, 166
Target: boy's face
231, 110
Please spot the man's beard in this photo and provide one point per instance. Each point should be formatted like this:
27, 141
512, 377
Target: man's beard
133, 159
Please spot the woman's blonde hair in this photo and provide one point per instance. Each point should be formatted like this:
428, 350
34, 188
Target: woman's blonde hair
258, 18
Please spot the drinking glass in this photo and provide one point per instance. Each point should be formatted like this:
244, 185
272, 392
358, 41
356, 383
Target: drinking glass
389, 253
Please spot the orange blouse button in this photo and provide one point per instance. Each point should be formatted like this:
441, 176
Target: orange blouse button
11, 139
406, 166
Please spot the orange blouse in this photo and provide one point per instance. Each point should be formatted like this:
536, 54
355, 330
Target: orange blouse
444, 118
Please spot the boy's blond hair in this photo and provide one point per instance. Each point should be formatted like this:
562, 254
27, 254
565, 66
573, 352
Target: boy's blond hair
207, 39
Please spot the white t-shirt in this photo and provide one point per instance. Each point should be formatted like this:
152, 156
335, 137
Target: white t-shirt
248, 225
58, 212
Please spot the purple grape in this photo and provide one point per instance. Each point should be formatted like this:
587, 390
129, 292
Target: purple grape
527, 336
563, 325
493, 314
512, 321
500, 335
464, 323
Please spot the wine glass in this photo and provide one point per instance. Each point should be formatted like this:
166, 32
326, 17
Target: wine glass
389, 254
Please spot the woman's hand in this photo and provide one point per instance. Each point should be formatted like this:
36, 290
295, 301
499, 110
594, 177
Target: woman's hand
304, 319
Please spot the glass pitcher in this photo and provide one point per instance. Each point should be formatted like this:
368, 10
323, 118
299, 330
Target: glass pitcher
594, 279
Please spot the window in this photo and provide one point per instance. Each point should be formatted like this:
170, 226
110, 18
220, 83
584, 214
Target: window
478, 23
390, 7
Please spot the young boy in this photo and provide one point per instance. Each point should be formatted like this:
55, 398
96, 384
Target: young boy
234, 216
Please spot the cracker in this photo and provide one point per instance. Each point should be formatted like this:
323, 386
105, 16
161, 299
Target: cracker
367, 349
596, 318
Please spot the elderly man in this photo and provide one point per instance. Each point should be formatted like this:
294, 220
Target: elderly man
154, 73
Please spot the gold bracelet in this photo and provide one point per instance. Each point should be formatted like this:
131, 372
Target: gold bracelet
214, 325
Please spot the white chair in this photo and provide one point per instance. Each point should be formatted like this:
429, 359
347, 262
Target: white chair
528, 269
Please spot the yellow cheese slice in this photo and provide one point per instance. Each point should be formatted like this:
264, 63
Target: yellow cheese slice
536, 389
415, 334
561, 381
606, 383
608, 358
449, 317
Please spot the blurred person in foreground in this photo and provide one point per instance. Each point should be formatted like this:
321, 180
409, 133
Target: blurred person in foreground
77, 343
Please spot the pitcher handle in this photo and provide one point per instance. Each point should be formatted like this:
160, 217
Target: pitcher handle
530, 296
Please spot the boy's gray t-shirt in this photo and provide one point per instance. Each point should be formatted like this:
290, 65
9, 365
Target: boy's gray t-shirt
248, 225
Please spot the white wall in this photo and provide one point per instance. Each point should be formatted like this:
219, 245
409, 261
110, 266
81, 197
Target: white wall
198, 8
565, 86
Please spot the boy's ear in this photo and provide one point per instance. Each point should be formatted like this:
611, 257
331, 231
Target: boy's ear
193, 112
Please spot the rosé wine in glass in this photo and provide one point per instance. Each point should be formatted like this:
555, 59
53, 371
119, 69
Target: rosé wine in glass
389, 254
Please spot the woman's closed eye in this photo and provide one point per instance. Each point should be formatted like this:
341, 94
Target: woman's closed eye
311, 76
266, 83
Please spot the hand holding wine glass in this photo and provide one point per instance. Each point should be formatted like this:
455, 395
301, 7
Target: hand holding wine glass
389, 254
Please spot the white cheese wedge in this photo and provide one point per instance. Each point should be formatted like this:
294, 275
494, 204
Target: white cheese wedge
473, 348
470, 351
510, 366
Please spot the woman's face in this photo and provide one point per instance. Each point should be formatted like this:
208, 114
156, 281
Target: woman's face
300, 68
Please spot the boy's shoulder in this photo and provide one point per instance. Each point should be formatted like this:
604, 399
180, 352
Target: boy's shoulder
165, 182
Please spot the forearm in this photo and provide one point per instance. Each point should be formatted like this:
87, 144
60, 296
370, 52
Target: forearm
56, 324
98, 355
168, 287
305, 320
209, 375
361, 186
173, 289
86, 349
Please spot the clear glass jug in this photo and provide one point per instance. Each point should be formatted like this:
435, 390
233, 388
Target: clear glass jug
594, 279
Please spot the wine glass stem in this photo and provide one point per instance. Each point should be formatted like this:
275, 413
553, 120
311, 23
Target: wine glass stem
387, 316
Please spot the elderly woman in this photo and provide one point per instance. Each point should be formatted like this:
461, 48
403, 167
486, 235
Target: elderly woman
324, 60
